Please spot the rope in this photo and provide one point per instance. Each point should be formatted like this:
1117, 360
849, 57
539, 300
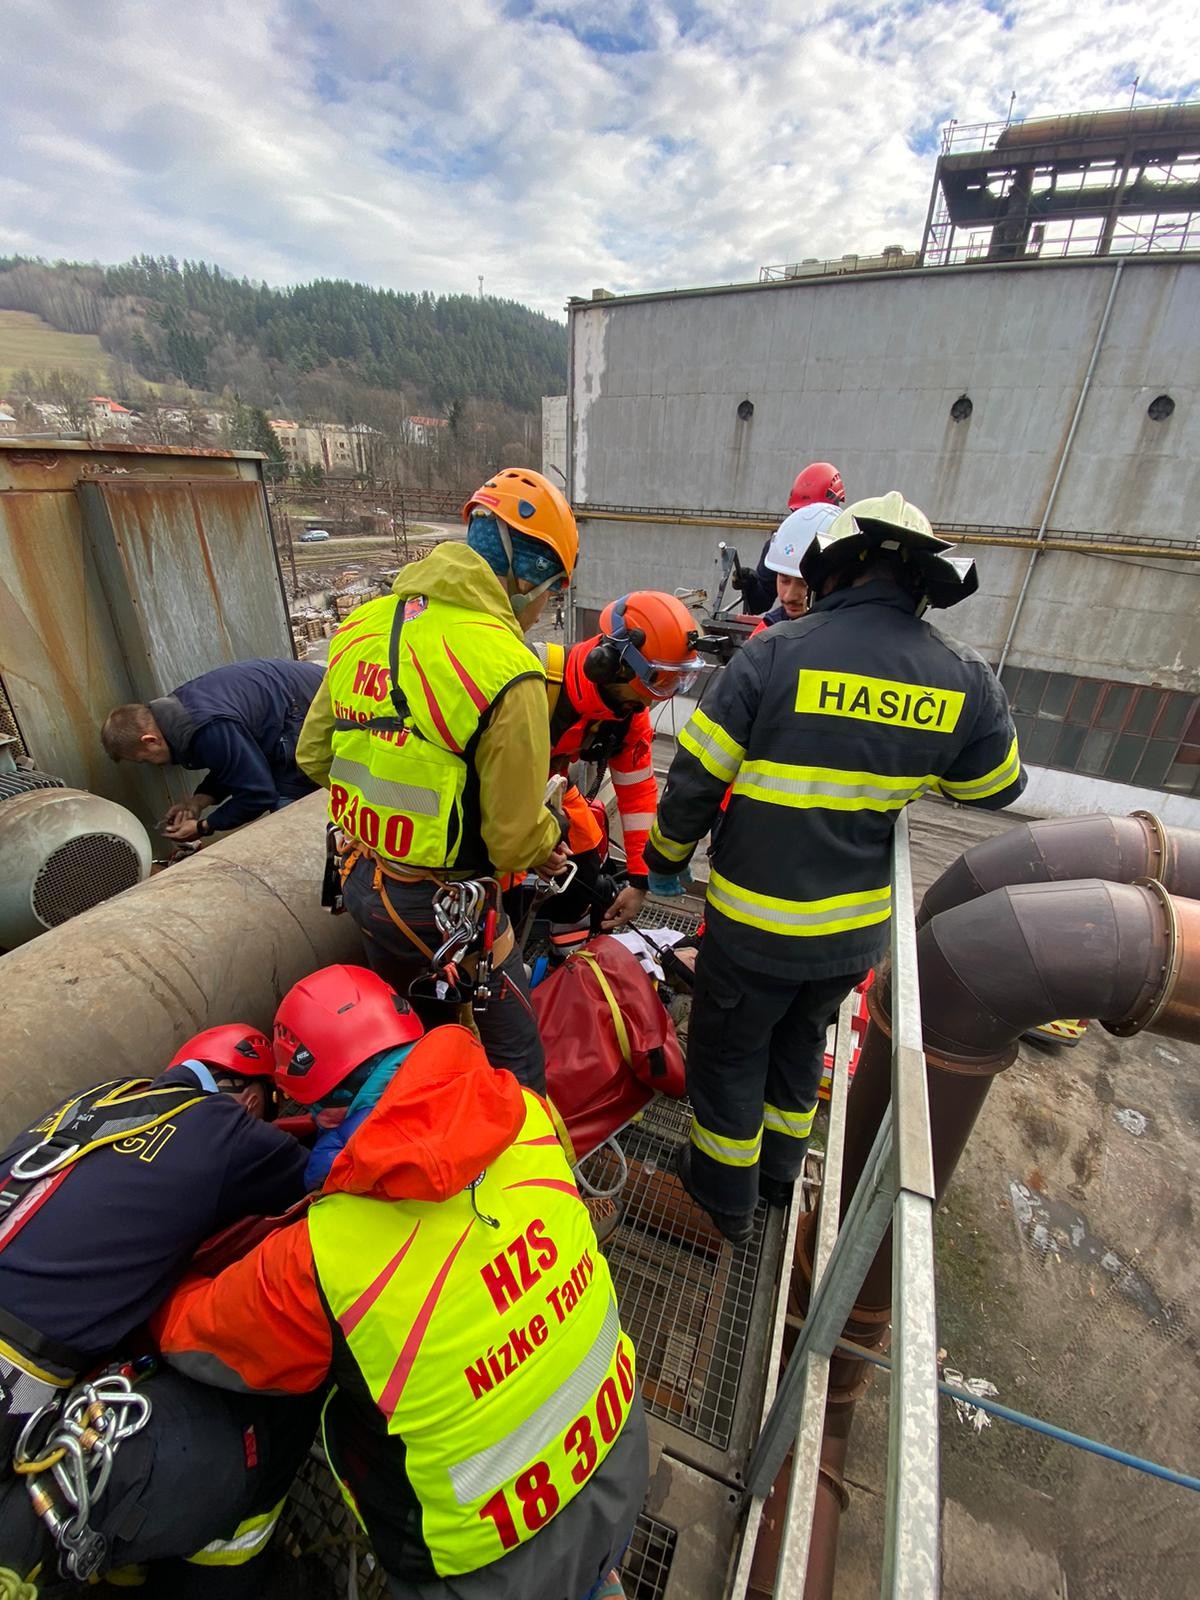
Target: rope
14, 1587
1050, 1430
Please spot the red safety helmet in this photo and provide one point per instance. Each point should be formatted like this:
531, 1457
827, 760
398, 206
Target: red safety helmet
331, 1022
233, 1047
820, 480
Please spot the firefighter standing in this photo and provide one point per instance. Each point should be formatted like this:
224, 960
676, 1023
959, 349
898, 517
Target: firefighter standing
826, 727
599, 691
485, 1424
430, 734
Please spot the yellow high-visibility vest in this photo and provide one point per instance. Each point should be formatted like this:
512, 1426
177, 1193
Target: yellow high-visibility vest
402, 777
495, 1354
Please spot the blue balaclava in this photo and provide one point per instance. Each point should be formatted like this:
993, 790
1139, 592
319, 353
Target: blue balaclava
530, 560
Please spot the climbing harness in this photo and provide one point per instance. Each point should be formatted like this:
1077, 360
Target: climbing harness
124, 1109
74, 1443
468, 914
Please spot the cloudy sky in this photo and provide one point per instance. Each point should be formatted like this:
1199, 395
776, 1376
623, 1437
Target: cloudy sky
551, 147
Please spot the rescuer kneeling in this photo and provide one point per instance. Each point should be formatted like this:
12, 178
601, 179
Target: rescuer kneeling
240, 722
103, 1203
486, 1424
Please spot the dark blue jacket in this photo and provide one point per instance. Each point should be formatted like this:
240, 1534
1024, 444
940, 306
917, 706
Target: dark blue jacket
241, 722
100, 1255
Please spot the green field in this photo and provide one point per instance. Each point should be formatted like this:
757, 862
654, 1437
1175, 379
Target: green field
27, 341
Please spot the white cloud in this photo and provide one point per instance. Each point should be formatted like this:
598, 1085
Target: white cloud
549, 146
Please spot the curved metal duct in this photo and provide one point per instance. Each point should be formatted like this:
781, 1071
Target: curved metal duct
62, 851
214, 939
1117, 849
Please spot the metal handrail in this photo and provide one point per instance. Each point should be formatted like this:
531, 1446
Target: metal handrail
897, 1191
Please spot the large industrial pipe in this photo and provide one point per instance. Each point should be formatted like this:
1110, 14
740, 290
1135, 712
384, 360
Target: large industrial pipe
988, 969
992, 968
215, 939
1117, 849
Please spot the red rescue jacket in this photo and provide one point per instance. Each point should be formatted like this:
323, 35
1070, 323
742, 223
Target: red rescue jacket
584, 726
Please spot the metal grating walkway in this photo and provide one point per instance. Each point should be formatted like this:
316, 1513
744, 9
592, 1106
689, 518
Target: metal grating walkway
321, 1539
685, 1294
646, 1565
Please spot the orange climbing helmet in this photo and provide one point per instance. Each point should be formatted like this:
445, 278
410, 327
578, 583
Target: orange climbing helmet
648, 636
529, 503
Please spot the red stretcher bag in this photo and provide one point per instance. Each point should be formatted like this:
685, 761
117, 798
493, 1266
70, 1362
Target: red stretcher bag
610, 1045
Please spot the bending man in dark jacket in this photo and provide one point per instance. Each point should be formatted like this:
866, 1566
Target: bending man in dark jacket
826, 727
103, 1204
241, 723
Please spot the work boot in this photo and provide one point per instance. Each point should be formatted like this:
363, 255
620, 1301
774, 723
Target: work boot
606, 1215
776, 1191
737, 1226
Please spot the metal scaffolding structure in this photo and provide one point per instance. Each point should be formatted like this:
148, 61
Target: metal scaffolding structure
1085, 184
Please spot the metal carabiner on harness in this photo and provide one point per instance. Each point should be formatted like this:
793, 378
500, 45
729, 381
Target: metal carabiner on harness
64, 1153
86, 1429
546, 887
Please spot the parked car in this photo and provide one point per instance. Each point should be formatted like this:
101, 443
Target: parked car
314, 536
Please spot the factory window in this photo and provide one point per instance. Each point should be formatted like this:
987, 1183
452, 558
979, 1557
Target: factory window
1125, 732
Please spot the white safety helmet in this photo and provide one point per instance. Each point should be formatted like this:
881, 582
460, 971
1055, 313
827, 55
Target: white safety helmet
794, 535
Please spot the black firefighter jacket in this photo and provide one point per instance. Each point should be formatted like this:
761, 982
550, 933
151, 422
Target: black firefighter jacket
826, 728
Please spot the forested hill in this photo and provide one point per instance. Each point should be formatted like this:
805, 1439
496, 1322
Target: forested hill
189, 322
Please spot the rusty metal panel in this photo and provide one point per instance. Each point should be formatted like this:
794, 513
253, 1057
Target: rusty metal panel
190, 572
62, 463
60, 660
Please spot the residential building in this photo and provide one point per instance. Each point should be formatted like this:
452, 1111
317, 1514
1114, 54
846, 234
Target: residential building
108, 417
423, 431
332, 446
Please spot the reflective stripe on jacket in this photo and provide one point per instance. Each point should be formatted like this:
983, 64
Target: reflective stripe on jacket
448, 1280
826, 727
494, 1354
582, 721
409, 791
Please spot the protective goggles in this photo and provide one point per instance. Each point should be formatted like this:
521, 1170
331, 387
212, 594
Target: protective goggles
660, 679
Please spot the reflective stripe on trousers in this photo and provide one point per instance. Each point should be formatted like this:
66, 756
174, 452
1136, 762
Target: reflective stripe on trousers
799, 918
755, 1051
729, 1152
792, 1124
250, 1538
